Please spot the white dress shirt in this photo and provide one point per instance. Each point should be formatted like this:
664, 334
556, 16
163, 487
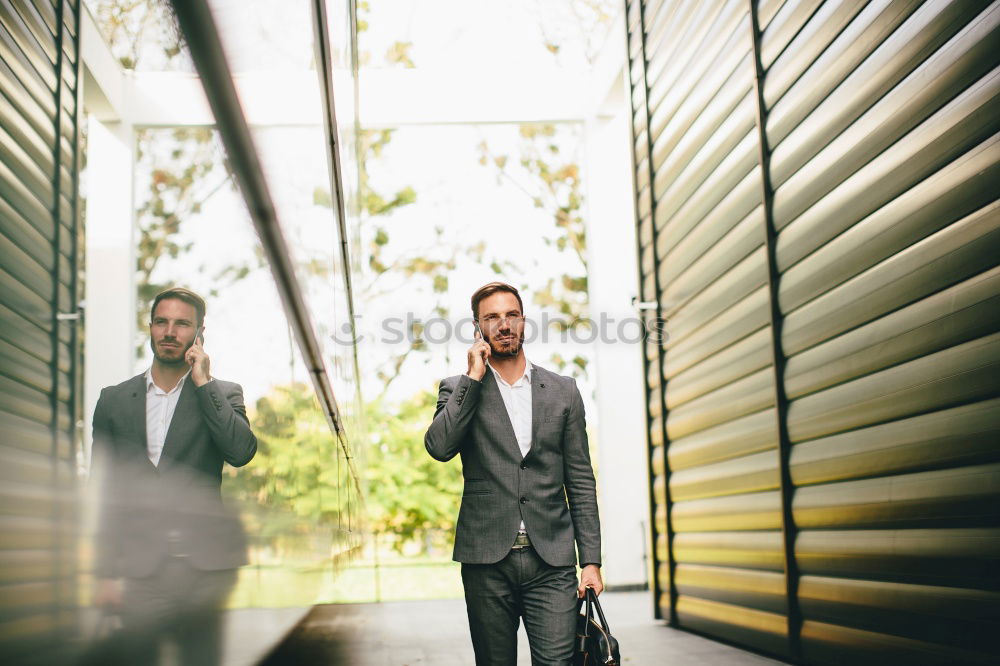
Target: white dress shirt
517, 400
160, 406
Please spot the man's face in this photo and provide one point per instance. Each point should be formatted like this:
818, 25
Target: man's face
502, 323
172, 329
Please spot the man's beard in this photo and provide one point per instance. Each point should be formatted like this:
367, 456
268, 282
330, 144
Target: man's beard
507, 353
162, 360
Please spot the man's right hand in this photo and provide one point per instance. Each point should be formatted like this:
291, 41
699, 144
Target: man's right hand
108, 593
478, 353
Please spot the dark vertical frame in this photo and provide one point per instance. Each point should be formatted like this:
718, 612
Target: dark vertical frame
76, 342
788, 530
659, 332
57, 522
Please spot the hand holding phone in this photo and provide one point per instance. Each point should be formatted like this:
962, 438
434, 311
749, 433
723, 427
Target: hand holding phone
479, 352
198, 359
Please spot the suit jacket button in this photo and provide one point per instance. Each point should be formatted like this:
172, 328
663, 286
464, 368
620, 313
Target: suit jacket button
524, 465
524, 500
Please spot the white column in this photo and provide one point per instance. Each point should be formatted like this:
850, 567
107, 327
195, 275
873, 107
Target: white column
623, 477
110, 261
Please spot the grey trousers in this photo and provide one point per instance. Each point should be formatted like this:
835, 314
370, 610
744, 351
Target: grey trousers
179, 603
498, 595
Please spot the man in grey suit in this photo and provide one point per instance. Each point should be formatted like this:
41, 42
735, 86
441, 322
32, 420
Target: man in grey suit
167, 548
521, 433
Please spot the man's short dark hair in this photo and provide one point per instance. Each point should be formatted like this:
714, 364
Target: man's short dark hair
181, 294
489, 290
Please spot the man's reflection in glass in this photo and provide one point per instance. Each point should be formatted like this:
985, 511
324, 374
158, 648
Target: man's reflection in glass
168, 549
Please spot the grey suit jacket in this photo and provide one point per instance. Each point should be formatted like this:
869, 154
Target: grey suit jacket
149, 511
501, 487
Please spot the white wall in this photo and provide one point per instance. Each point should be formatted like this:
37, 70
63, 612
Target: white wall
623, 479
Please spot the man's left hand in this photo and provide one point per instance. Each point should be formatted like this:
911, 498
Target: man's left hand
590, 577
199, 362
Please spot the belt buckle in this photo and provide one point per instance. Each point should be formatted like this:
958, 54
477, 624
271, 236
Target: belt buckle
174, 544
521, 541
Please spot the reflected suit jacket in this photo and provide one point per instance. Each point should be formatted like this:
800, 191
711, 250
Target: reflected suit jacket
148, 511
501, 487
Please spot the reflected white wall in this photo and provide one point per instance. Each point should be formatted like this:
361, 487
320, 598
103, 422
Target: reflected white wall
110, 261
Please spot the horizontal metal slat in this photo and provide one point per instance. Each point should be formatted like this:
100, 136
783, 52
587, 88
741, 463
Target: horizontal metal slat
737, 284
960, 126
24, 268
712, 257
754, 473
759, 629
736, 361
948, 615
880, 47
960, 557
956, 497
801, 181
748, 511
746, 395
19, 44
16, 398
962, 187
752, 550
965, 373
742, 319
667, 34
761, 590
963, 435
784, 27
731, 192
21, 131
706, 99
955, 253
963, 312
828, 21
831, 644
705, 62
26, 369
699, 138
29, 175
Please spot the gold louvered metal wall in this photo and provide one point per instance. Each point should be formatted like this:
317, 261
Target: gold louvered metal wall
39, 349
816, 195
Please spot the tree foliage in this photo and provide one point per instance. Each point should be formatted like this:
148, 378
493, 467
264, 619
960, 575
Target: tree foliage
551, 180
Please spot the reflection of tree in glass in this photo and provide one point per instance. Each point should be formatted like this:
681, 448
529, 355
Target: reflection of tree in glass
141, 30
409, 495
186, 167
551, 179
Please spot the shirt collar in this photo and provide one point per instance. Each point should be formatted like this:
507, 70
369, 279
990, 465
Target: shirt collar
526, 376
150, 385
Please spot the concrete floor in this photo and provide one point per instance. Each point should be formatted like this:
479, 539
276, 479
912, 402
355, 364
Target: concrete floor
436, 633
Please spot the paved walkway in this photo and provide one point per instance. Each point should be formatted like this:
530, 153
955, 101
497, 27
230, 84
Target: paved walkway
436, 633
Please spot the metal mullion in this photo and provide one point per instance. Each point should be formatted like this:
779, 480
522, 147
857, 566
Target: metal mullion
324, 69
793, 612
56, 309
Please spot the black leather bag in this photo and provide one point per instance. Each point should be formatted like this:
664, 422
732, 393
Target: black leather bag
594, 643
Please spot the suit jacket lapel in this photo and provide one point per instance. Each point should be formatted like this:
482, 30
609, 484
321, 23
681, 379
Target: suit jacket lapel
538, 398
181, 422
494, 401
137, 410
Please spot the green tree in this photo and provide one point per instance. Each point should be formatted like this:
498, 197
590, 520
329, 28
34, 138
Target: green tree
408, 494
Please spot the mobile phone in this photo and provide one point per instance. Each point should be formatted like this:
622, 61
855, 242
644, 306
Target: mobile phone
199, 334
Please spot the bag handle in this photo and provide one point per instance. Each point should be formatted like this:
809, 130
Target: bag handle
593, 602
589, 612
